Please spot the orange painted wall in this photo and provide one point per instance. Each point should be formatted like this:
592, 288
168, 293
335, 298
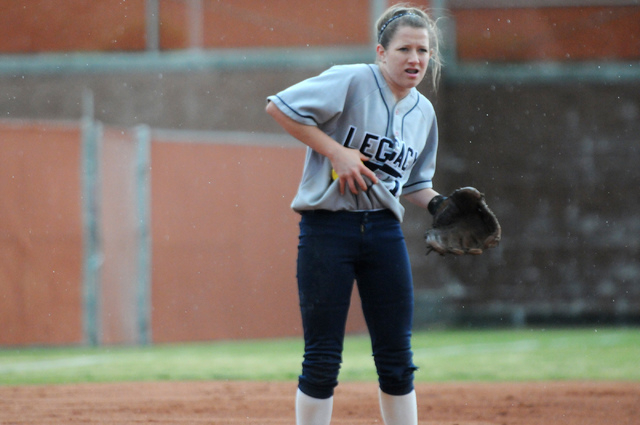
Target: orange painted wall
40, 234
71, 25
225, 242
512, 34
119, 237
273, 23
551, 34
116, 25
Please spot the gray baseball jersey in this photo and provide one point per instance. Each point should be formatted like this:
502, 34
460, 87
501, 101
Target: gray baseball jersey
355, 107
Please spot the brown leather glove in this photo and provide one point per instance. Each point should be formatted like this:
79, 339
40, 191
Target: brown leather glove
462, 224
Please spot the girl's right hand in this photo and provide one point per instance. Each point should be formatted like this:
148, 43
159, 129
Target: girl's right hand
348, 164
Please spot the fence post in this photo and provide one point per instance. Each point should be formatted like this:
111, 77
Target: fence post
92, 253
143, 186
152, 22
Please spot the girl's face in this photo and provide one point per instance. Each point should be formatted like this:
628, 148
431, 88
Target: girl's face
404, 62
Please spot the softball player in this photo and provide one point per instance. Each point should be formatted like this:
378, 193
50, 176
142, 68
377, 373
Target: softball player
371, 138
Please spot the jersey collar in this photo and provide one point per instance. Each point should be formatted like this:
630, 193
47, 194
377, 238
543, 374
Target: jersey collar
386, 92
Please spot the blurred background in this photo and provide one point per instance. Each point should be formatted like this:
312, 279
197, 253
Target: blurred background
145, 193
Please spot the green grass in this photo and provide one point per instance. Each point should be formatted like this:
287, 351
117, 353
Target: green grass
479, 355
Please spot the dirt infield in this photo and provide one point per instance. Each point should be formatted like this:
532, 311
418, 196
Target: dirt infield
583, 403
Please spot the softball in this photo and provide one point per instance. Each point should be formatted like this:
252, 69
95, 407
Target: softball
334, 175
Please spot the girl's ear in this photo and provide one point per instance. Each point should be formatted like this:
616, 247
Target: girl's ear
380, 52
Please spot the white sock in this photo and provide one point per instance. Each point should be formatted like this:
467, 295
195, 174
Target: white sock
313, 411
399, 410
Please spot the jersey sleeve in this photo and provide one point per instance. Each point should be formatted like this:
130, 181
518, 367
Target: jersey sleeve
422, 173
316, 100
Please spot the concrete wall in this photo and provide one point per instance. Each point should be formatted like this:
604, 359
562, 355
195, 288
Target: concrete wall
556, 159
216, 100
558, 164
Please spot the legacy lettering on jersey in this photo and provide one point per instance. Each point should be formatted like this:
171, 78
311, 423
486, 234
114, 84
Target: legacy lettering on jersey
390, 156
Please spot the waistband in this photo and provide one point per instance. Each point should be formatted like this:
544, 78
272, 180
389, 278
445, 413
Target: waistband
346, 214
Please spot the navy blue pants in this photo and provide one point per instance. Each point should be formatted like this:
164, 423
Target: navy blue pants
336, 249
